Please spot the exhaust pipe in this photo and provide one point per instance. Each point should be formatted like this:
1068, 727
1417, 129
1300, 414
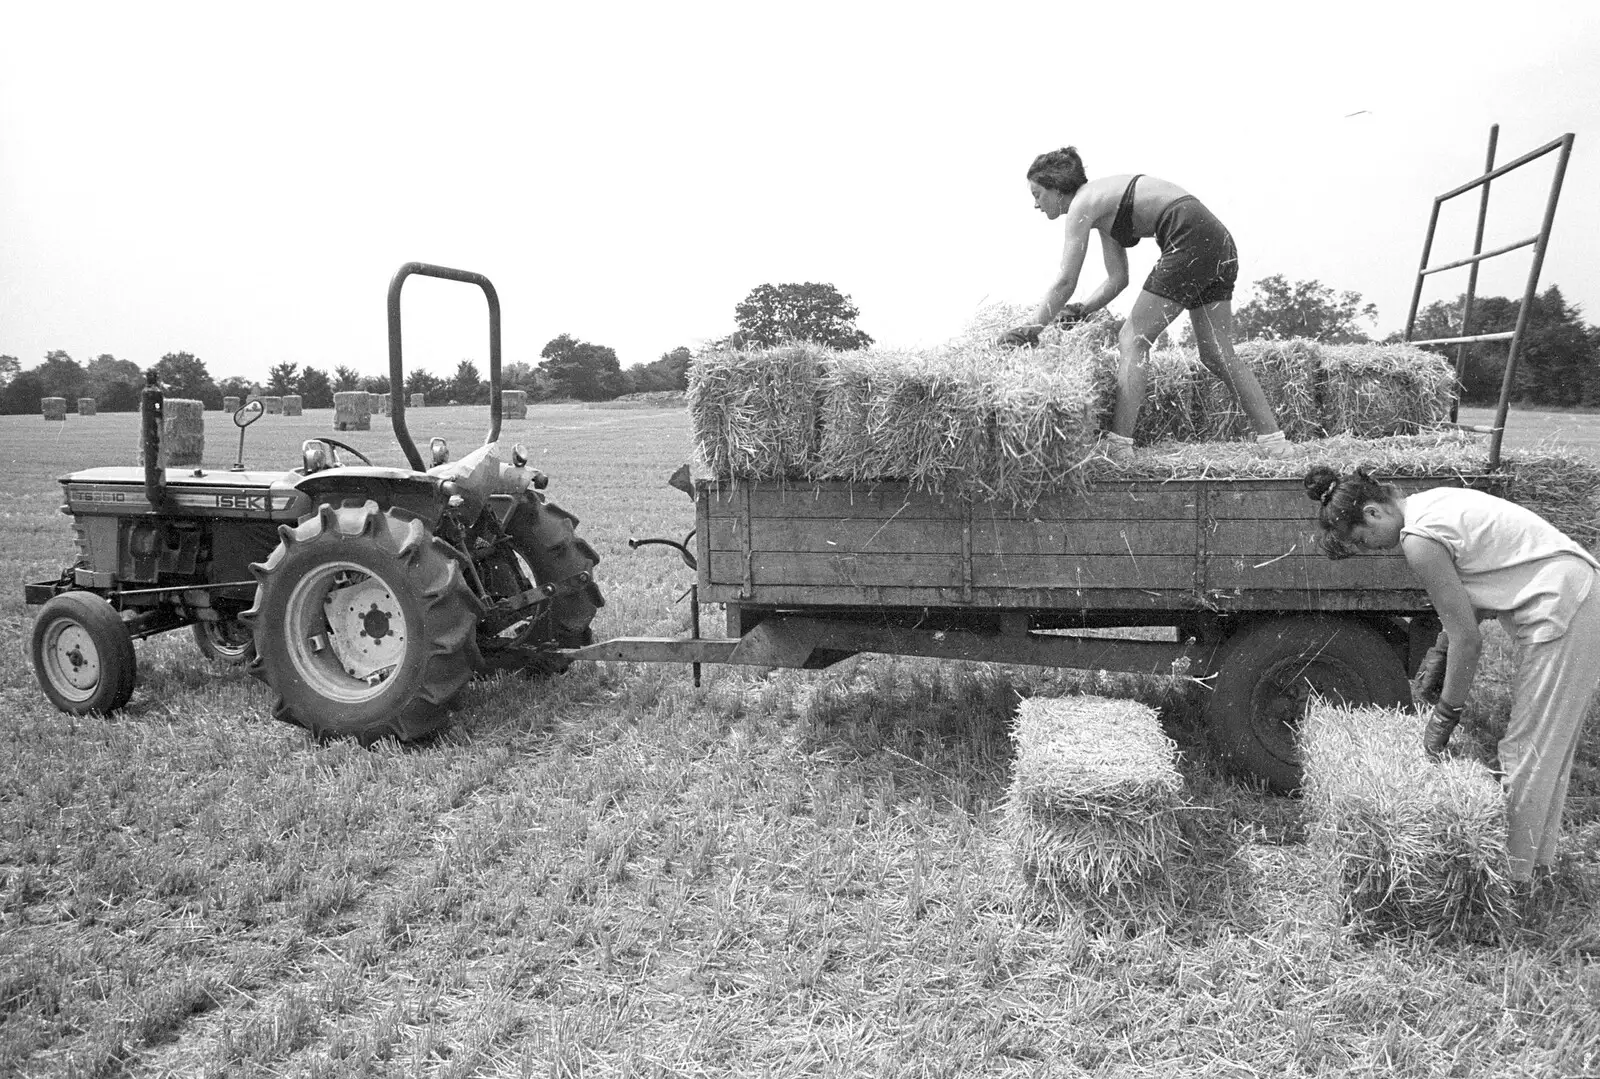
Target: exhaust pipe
150, 415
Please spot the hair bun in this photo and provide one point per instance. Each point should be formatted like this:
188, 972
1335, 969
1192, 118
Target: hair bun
1320, 483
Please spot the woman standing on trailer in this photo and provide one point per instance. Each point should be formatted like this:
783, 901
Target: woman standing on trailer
1196, 271
1478, 555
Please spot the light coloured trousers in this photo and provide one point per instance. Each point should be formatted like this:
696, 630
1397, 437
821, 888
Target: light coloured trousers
1555, 683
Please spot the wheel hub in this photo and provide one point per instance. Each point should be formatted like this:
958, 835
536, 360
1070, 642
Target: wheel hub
76, 659
366, 628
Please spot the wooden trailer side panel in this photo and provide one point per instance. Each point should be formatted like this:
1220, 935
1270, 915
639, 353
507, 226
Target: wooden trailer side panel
1136, 545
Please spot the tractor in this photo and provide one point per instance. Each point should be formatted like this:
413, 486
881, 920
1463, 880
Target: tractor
364, 596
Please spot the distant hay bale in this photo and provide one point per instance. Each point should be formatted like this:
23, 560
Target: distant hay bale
1410, 846
1290, 374
1376, 390
753, 412
1091, 810
417, 400
183, 432
291, 404
230, 405
352, 411
274, 405
374, 403
53, 408
383, 404
86, 406
254, 397
514, 404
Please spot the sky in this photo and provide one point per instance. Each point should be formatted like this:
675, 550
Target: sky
242, 181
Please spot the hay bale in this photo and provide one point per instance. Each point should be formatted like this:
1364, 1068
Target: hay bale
1410, 846
1376, 390
383, 404
352, 411
230, 405
416, 400
274, 405
291, 404
753, 413
183, 433
1291, 375
1172, 410
514, 404
86, 406
1090, 814
53, 408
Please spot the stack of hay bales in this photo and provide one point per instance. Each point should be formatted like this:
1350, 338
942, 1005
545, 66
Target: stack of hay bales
274, 405
53, 408
514, 404
230, 404
291, 404
352, 411
86, 406
1410, 845
183, 432
1091, 811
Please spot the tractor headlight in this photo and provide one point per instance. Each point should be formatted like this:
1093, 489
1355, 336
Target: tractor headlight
440, 450
315, 455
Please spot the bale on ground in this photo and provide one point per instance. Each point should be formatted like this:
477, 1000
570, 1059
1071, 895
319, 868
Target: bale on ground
514, 404
417, 400
1376, 390
53, 408
183, 432
383, 404
753, 412
1410, 845
86, 406
274, 405
1091, 810
352, 411
230, 404
291, 404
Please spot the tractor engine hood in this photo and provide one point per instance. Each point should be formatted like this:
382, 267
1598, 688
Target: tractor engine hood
480, 474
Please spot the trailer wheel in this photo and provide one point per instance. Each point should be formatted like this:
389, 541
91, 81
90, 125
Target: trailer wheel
365, 625
83, 654
226, 641
546, 538
1269, 673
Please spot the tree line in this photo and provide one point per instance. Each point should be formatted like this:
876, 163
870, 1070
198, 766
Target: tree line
1560, 363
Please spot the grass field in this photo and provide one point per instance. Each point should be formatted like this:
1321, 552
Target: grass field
615, 873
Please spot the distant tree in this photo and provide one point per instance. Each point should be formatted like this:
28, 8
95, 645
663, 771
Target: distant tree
1304, 309
240, 387
315, 389
670, 372
183, 374
282, 378
10, 368
466, 386
375, 384
810, 311
62, 376
113, 383
420, 381
21, 395
1560, 360
346, 378
581, 369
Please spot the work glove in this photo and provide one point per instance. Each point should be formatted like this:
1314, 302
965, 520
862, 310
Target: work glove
1021, 335
1441, 724
1071, 314
1428, 682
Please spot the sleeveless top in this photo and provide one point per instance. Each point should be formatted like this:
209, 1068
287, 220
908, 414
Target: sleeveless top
1511, 561
1122, 225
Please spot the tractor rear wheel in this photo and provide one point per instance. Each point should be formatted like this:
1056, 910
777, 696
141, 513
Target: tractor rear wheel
83, 654
364, 624
545, 536
1268, 675
225, 640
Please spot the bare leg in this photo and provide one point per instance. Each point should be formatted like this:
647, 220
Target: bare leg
1213, 334
1150, 315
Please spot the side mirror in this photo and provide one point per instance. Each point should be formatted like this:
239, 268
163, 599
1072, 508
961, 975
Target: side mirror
249, 413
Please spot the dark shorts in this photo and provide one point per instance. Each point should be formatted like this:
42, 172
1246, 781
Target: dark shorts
1198, 263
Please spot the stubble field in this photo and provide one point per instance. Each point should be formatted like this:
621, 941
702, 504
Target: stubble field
615, 873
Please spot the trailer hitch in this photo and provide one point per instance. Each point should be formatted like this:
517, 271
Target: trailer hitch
694, 588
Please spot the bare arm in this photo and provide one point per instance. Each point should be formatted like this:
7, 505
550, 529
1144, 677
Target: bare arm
1116, 259
1433, 566
1066, 282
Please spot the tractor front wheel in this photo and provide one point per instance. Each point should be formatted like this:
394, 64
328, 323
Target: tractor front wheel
225, 640
83, 654
364, 625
